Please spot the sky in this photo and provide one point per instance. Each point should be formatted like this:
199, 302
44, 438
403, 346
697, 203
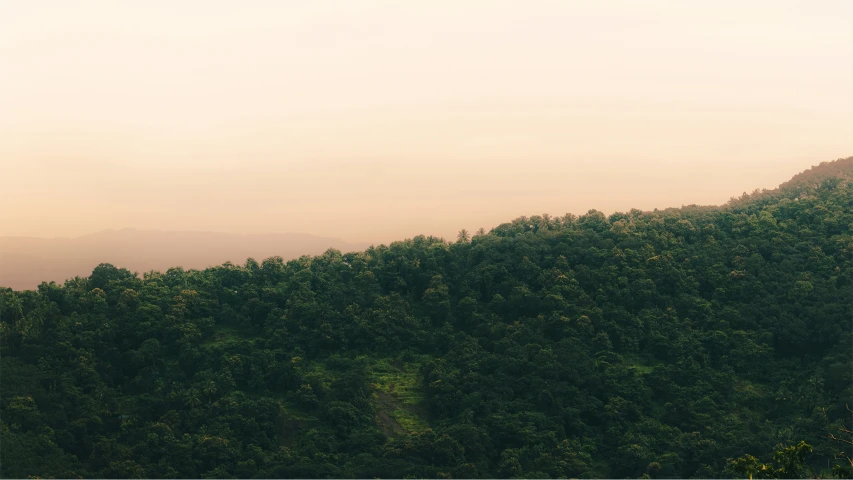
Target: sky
380, 120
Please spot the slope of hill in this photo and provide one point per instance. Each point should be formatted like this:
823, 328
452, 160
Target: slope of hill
25, 262
656, 344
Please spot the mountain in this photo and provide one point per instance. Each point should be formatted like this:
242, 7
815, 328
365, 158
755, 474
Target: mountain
695, 342
25, 261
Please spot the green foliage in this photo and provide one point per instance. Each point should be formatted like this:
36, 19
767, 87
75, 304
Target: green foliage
788, 462
642, 344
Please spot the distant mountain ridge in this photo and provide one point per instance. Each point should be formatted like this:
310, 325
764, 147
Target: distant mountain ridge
27, 261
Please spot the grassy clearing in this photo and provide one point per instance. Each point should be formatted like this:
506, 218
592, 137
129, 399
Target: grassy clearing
409, 420
398, 392
640, 364
401, 379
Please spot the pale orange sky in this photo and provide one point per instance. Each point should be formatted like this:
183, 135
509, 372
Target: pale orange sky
376, 121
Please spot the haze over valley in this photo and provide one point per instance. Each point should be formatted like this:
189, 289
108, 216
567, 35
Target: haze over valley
25, 262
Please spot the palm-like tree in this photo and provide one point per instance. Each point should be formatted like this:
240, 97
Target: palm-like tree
463, 237
191, 399
210, 391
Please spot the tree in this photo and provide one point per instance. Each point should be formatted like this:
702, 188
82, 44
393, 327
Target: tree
845, 438
191, 399
463, 236
209, 389
789, 463
150, 351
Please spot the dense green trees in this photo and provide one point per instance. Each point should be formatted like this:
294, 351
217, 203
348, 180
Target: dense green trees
690, 342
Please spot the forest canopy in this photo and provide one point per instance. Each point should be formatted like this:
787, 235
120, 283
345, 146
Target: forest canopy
689, 342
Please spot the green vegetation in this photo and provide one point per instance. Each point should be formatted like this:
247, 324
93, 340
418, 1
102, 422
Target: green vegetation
399, 394
696, 342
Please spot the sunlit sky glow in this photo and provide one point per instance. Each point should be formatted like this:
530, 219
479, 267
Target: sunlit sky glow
375, 121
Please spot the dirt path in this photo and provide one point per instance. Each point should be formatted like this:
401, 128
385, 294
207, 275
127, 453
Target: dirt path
386, 405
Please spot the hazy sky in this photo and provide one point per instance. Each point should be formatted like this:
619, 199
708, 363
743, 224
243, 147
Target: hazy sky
376, 121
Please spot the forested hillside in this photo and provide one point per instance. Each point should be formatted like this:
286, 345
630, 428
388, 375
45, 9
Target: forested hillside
658, 344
